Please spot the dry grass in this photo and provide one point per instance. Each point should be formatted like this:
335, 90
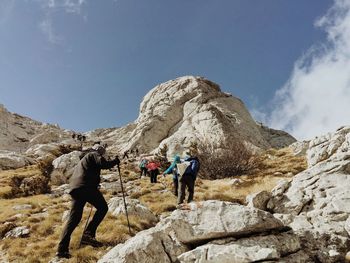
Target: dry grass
7, 176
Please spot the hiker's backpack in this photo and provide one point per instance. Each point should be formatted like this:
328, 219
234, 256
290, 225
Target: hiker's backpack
85, 152
143, 163
193, 168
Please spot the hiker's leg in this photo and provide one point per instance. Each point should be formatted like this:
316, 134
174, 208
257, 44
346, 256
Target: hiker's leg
190, 187
97, 200
182, 188
176, 186
75, 215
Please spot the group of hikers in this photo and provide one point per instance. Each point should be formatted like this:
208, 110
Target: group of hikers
84, 188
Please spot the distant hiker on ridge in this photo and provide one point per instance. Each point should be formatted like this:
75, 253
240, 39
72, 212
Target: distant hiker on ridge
84, 188
126, 155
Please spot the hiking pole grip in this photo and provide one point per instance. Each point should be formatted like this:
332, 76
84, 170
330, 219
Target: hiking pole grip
126, 209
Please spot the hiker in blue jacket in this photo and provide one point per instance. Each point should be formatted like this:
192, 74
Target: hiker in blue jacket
172, 169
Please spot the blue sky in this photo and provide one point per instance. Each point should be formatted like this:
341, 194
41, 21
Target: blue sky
87, 64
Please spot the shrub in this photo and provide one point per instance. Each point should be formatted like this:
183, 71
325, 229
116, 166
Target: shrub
226, 160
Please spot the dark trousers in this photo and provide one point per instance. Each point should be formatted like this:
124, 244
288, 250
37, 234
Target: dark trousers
143, 171
79, 199
154, 174
186, 181
176, 186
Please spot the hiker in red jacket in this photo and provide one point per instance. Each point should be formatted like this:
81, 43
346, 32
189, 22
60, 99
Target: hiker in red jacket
153, 170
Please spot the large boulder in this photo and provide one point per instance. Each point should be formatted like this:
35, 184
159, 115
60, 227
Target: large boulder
204, 229
316, 202
216, 219
64, 166
250, 249
134, 207
12, 160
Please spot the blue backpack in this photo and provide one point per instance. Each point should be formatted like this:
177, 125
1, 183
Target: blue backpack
193, 168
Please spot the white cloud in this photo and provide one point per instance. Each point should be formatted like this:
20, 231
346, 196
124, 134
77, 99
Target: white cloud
316, 98
51, 7
47, 28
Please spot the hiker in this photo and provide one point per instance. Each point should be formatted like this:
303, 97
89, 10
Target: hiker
153, 170
84, 185
172, 169
126, 155
143, 167
187, 178
137, 152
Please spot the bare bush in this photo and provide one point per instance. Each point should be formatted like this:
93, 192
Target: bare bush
225, 160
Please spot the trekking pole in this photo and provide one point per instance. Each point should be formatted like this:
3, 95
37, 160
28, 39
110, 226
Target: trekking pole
126, 210
87, 221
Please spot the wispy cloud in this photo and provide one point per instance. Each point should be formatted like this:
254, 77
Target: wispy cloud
51, 7
316, 98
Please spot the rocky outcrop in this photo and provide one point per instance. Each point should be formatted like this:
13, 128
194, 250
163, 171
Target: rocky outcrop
186, 110
316, 202
18, 133
64, 166
210, 231
12, 160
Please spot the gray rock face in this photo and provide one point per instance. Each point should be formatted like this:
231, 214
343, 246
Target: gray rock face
12, 160
215, 219
252, 249
17, 132
116, 207
190, 109
210, 231
65, 164
317, 200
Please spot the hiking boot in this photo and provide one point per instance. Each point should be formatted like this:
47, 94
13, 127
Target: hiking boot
90, 241
63, 254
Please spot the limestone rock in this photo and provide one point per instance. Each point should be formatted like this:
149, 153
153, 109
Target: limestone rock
251, 249
316, 201
276, 138
185, 110
147, 246
116, 207
300, 148
12, 160
228, 229
64, 166
21, 231
258, 200
216, 219
17, 132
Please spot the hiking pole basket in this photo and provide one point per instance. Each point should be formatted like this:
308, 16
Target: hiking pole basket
86, 224
126, 209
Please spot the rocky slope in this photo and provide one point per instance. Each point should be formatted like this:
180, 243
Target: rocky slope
18, 133
191, 109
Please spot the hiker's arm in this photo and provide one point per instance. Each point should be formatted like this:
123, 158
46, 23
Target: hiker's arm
170, 169
104, 164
